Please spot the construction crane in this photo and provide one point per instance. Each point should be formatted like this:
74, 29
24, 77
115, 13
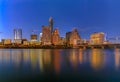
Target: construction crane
115, 39
35, 31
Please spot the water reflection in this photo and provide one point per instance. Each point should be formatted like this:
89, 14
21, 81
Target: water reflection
4, 54
47, 60
73, 57
56, 61
97, 58
80, 56
117, 58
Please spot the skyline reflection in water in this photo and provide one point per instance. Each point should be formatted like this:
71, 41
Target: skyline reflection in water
58, 61
117, 58
46, 57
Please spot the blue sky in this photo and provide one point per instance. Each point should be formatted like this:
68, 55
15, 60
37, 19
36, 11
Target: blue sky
87, 16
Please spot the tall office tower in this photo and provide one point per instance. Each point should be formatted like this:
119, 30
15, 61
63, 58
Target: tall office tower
18, 36
68, 34
46, 35
55, 37
51, 24
17, 33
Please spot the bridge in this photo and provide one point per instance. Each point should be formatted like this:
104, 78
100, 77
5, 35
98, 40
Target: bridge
101, 46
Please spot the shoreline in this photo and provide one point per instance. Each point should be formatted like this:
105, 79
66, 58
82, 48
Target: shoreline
58, 47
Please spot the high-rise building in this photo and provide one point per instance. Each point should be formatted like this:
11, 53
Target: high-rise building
68, 34
51, 24
72, 37
40, 37
46, 35
55, 37
97, 38
18, 36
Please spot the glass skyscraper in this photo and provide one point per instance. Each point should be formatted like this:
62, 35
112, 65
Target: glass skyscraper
17, 34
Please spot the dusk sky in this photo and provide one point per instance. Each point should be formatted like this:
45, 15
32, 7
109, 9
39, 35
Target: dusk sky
87, 16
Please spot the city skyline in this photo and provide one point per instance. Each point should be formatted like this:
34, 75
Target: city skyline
87, 16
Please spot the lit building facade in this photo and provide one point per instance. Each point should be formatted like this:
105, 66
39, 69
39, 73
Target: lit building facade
17, 33
46, 35
97, 38
40, 37
68, 35
33, 37
18, 36
55, 37
62, 41
6, 41
72, 37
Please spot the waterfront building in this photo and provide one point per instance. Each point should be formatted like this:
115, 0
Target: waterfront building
97, 38
26, 43
46, 35
17, 33
68, 34
40, 37
62, 41
33, 37
6, 41
72, 37
17, 36
55, 37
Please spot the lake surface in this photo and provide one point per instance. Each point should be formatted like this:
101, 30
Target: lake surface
59, 65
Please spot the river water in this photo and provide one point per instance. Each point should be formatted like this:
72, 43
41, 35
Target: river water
59, 65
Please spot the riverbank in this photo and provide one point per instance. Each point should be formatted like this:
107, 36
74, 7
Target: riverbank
58, 47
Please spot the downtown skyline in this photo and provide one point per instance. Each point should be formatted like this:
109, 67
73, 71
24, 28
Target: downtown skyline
87, 16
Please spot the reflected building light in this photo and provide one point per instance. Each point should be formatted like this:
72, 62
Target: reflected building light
97, 59
47, 56
40, 60
33, 58
117, 58
85, 57
4, 56
1, 54
16, 57
44, 59
57, 61
80, 56
26, 55
41, 63
73, 58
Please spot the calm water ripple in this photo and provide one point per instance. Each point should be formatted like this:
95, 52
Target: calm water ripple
59, 65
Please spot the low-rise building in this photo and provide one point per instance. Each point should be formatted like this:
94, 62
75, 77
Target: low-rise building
33, 37
7, 42
62, 41
97, 38
26, 43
